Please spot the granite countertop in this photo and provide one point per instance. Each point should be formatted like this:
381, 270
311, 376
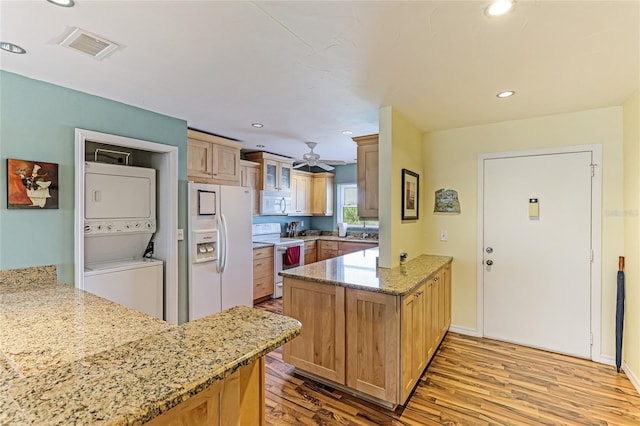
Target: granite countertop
261, 245
69, 357
358, 270
336, 238
371, 241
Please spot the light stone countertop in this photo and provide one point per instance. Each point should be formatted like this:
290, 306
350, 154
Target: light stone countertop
336, 238
262, 245
69, 357
358, 270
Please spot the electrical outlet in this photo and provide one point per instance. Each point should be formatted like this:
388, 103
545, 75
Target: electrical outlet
301, 223
444, 236
180, 234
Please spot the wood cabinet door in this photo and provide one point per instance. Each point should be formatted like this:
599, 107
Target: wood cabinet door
327, 250
226, 164
300, 193
320, 347
346, 247
322, 198
238, 399
269, 175
414, 357
431, 318
367, 171
284, 176
373, 343
446, 281
310, 252
199, 158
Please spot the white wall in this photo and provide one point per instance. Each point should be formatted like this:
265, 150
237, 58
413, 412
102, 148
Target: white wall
631, 342
399, 147
450, 161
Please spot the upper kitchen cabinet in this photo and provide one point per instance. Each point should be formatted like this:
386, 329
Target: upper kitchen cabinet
322, 199
276, 170
212, 159
301, 193
367, 170
250, 178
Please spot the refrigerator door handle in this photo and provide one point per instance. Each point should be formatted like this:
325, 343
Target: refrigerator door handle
225, 242
221, 246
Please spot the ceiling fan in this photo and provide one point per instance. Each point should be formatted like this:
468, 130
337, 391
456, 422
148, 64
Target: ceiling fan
312, 159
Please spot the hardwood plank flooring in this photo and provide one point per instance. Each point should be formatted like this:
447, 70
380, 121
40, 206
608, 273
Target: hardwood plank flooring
470, 381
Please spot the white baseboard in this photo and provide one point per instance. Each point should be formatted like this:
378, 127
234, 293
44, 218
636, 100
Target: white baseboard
604, 359
632, 377
464, 330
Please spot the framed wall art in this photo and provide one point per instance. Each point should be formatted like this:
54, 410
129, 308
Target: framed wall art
32, 184
410, 201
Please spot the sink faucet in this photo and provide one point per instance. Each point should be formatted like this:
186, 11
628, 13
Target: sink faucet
364, 229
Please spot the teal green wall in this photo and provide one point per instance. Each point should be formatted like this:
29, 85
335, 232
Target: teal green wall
37, 122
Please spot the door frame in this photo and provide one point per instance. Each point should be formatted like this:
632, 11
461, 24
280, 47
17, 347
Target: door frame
165, 159
596, 237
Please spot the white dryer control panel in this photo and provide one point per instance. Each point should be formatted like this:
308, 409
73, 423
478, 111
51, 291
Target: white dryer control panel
115, 226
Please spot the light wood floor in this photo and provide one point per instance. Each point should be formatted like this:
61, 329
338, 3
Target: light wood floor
471, 381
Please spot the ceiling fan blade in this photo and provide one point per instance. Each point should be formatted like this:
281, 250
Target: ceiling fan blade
335, 162
297, 166
325, 166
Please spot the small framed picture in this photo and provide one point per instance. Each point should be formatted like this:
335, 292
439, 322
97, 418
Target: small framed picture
32, 184
410, 201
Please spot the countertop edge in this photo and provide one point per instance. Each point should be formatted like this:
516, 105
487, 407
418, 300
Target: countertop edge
398, 271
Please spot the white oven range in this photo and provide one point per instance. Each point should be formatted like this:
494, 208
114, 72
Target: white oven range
269, 233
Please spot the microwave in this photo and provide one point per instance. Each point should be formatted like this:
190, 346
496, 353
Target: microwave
274, 203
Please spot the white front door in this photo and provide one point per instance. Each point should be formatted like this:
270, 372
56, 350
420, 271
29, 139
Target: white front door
537, 269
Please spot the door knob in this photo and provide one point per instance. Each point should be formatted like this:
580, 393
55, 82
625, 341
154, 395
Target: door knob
489, 262
489, 250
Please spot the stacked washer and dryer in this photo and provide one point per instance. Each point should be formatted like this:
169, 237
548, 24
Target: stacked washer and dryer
119, 223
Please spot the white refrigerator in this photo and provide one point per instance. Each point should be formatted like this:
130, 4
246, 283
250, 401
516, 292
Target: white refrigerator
220, 248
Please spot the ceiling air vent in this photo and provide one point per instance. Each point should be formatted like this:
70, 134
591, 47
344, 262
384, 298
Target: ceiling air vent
88, 43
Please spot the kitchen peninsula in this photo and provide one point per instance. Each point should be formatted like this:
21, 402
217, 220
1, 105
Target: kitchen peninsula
69, 357
367, 330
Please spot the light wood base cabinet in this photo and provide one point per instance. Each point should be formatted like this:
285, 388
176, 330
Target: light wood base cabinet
310, 252
327, 249
414, 326
377, 345
262, 272
238, 399
319, 349
372, 344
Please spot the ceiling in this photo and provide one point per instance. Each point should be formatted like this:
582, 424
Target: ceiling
309, 69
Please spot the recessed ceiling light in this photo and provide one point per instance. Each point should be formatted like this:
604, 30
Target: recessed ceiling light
63, 3
12, 48
347, 132
506, 94
258, 125
499, 7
